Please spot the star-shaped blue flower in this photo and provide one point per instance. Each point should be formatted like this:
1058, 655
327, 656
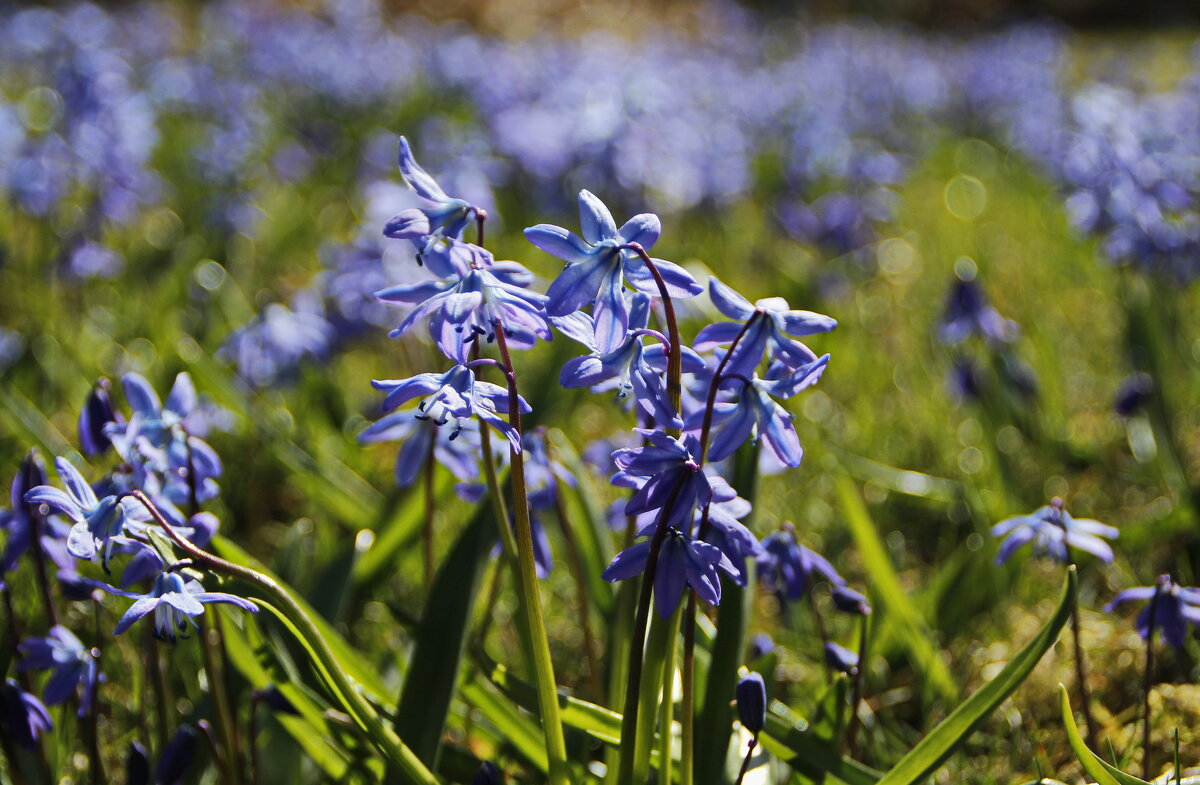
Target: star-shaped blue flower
445, 219
1172, 606
1052, 531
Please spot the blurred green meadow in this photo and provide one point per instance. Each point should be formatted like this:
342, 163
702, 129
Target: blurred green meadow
902, 479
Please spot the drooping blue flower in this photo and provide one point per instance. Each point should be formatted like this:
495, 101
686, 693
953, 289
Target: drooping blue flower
73, 664
1172, 606
176, 759
458, 448
751, 694
666, 476
789, 569
173, 600
847, 600
631, 367
446, 219
94, 418
97, 521
270, 348
1053, 532
18, 521
755, 413
453, 397
725, 529
473, 303
23, 718
776, 321
597, 263
682, 562
840, 658
969, 313
487, 774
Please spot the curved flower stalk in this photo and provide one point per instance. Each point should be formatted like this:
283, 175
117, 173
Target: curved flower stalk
600, 261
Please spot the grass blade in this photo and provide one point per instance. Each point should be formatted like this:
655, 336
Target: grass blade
1096, 767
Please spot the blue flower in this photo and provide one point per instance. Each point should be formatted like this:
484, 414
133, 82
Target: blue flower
682, 562
173, 601
599, 261
968, 312
458, 448
23, 718
94, 418
1053, 532
755, 413
840, 658
19, 520
453, 397
726, 531
269, 348
789, 569
631, 367
1172, 606
472, 303
673, 480
776, 321
97, 521
446, 219
847, 600
73, 664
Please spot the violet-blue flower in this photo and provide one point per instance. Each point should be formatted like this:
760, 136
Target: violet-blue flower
968, 312
598, 262
631, 367
751, 696
673, 479
446, 219
472, 304
1172, 607
23, 718
458, 448
453, 397
73, 664
18, 521
682, 562
726, 531
1053, 531
789, 569
173, 600
97, 521
776, 321
94, 417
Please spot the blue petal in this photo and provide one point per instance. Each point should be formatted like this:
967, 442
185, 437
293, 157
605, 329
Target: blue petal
182, 398
78, 487
728, 301
559, 242
140, 608
611, 313
141, 396
679, 282
627, 563
417, 178
802, 323
595, 221
577, 286
643, 229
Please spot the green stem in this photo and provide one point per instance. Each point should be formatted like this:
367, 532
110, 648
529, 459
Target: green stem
211, 649
687, 706
1148, 682
543, 666
658, 644
288, 610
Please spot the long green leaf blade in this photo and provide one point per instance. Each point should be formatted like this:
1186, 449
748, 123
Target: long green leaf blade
934, 749
1096, 767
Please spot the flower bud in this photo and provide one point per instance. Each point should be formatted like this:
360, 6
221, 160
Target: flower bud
488, 774
752, 702
840, 658
848, 600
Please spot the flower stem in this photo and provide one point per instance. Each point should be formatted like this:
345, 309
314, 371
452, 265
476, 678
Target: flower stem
293, 615
711, 402
666, 710
427, 519
674, 355
227, 724
1148, 683
543, 666
687, 705
746, 761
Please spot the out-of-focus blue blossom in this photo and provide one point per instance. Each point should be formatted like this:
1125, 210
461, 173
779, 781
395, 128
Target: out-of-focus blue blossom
488, 774
176, 759
23, 718
964, 379
788, 569
97, 521
969, 313
751, 696
92, 260
271, 347
1053, 532
682, 562
454, 396
725, 529
94, 417
1171, 606
761, 645
775, 321
1133, 394
73, 664
18, 521
11, 346
479, 295
598, 263
840, 658
173, 600
445, 221
276, 701
631, 367
673, 480
137, 764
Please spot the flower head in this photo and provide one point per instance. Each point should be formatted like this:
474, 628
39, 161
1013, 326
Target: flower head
18, 521
968, 312
446, 218
97, 521
23, 718
789, 569
667, 477
174, 601
682, 562
598, 262
1053, 532
1171, 607
73, 664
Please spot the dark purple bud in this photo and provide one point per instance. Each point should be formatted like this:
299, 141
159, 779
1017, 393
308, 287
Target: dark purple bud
760, 645
849, 601
964, 379
96, 413
840, 658
177, 757
1133, 394
23, 718
137, 765
752, 702
488, 774
31, 474
272, 698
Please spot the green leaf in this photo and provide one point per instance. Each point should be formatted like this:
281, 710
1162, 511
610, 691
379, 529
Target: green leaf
911, 627
830, 715
1095, 766
440, 637
519, 730
932, 751
788, 737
